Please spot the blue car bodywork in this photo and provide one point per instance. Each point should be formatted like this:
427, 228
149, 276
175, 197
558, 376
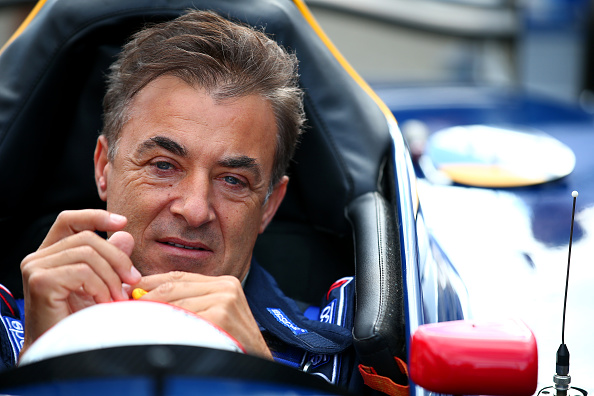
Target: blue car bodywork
510, 245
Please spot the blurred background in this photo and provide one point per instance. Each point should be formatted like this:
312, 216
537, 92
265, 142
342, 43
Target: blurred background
12, 13
541, 45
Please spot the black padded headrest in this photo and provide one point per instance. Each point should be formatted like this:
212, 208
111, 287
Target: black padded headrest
52, 80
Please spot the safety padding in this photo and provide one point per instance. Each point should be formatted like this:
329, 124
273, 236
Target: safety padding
379, 329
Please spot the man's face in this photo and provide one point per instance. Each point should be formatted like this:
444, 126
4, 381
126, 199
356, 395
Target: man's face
192, 177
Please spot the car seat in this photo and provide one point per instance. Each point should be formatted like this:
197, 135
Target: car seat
338, 217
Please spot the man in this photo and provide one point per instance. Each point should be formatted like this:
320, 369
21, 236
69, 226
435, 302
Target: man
201, 119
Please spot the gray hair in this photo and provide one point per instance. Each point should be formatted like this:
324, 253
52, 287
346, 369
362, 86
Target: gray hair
227, 59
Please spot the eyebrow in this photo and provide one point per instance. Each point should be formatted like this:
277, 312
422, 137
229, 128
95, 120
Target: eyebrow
163, 142
243, 162
232, 162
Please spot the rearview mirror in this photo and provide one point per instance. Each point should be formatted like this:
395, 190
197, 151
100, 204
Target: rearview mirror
475, 358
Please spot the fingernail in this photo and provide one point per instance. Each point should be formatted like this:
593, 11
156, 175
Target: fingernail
116, 218
134, 273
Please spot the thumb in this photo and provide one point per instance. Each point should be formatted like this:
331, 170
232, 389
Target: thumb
123, 240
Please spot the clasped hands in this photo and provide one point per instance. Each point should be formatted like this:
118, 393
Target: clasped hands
75, 268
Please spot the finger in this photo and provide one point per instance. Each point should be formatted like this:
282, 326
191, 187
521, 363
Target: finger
127, 289
222, 292
219, 300
178, 285
80, 300
208, 306
78, 255
150, 282
117, 259
56, 284
214, 305
47, 303
75, 221
231, 315
124, 241
171, 292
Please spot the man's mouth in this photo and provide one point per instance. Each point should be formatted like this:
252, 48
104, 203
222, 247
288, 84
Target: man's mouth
187, 245
183, 246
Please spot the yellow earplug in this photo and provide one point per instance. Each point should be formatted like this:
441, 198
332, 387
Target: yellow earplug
138, 292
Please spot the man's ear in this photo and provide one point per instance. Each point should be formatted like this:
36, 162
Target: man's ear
102, 166
274, 201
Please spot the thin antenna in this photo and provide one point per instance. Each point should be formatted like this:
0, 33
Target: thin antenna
574, 194
562, 379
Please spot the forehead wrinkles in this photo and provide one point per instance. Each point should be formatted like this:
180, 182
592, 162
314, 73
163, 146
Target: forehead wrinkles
158, 90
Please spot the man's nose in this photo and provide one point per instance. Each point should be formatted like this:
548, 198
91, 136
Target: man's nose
193, 200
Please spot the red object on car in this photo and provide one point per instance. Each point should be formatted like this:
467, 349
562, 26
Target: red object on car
475, 358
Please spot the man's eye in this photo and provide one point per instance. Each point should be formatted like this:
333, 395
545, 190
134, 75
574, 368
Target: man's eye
233, 180
163, 165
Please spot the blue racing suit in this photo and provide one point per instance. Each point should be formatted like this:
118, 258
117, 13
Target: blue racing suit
12, 331
317, 341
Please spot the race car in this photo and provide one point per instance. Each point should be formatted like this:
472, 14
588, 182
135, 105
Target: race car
352, 210
508, 234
